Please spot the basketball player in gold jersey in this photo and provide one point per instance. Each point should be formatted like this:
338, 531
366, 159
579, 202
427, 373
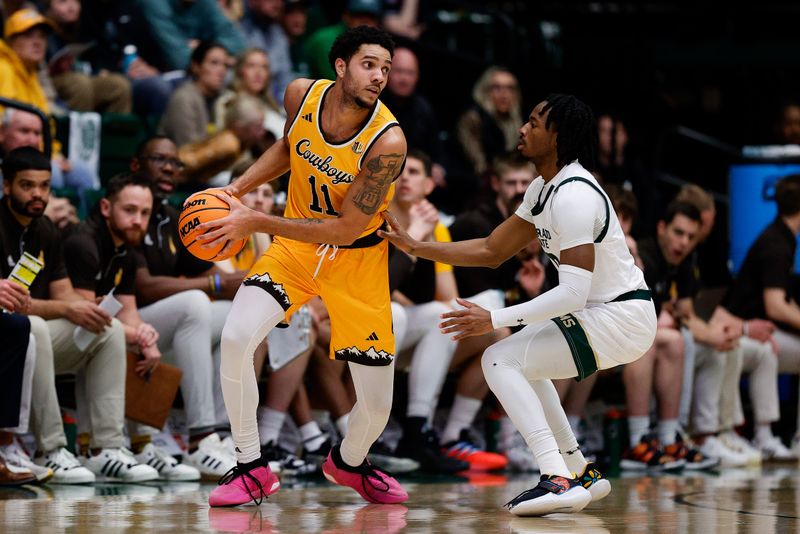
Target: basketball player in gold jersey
344, 149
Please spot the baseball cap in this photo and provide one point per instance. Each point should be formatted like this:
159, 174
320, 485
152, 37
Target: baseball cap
23, 20
372, 7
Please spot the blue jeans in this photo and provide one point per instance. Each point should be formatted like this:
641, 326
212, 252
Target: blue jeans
150, 95
80, 178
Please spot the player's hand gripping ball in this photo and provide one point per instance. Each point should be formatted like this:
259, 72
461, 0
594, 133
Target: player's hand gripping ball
202, 208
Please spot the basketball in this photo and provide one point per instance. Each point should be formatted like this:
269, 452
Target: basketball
198, 209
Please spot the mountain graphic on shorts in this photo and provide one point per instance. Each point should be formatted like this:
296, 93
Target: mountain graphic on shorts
370, 357
276, 290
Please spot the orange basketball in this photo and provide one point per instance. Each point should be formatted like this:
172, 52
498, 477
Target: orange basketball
198, 209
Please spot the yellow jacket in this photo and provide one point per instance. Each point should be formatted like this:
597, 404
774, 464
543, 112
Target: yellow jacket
19, 83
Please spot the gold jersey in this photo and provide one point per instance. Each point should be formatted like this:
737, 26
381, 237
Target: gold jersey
321, 171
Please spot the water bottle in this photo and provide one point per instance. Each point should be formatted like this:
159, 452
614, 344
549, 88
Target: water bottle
129, 55
612, 435
492, 430
70, 425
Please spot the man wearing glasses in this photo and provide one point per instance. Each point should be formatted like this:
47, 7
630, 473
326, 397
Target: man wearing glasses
187, 300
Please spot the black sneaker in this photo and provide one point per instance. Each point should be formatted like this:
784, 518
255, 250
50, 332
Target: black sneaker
552, 494
594, 481
317, 456
382, 456
282, 461
423, 446
648, 455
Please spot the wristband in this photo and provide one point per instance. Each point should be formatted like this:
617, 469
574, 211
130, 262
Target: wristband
211, 284
217, 284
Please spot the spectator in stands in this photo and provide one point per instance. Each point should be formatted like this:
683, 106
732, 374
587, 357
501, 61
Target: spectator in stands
713, 379
511, 177
79, 89
209, 161
21, 51
26, 186
490, 126
667, 270
17, 367
357, 13
716, 402
251, 76
179, 27
413, 111
233, 9
763, 287
105, 244
617, 165
173, 292
787, 125
426, 293
188, 114
262, 28
295, 17
404, 22
627, 209
112, 26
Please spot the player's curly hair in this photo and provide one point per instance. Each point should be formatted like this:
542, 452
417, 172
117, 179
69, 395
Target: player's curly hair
348, 43
575, 127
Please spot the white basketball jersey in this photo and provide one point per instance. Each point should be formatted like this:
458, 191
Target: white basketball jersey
571, 210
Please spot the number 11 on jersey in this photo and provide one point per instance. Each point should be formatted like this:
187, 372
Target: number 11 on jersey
315, 206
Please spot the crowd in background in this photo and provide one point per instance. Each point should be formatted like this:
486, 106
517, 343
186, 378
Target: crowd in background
209, 76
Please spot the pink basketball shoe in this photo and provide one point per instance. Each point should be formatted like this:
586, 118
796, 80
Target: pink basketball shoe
244, 483
370, 482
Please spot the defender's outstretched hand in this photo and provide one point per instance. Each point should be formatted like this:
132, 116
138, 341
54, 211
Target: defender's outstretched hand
471, 321
397, 235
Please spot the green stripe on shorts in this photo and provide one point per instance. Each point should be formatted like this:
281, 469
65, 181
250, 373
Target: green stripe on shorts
582, 352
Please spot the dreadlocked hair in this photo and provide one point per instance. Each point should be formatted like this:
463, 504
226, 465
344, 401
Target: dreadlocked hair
576, 133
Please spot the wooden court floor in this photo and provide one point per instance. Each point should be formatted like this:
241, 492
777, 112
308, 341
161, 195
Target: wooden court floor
759, 501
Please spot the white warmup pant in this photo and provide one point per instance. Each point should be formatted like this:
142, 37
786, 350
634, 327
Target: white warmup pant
189, 326
788, 356
432, 356
687, 387
759, 360
434, 350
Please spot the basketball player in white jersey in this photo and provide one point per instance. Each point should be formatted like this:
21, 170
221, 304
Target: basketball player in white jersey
599, 316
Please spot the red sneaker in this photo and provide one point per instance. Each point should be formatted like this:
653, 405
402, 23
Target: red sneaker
465, 450
253, 481
374, 485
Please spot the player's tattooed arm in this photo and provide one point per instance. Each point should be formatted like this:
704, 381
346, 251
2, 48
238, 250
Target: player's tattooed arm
381, 171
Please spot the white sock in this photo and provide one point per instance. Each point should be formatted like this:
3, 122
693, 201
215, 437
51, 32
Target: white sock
312, 436
667, 431
462, 414
341, 424
763, 432
638, 425
575, 423
270, 423
545, 450
568, 446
